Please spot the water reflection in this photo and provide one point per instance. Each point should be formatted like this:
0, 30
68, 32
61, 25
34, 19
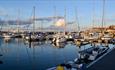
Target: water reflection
7, 40
23, 55
59, 45
33, 44
1, 62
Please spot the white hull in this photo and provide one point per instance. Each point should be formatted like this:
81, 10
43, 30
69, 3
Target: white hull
59, 40
105, 38
7, 36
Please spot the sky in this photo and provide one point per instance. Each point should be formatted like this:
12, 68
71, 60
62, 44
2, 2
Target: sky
85, 10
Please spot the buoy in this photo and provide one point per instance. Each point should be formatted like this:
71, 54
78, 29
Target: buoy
59, 67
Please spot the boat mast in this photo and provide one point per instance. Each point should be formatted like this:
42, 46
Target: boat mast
33, 19
65, 22
18, 20
77, 21
8, 24
103, 15
55, 15
93, 21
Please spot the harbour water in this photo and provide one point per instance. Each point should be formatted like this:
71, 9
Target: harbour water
18, 54
57, 34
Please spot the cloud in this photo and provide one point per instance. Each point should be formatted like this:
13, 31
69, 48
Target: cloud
60, 23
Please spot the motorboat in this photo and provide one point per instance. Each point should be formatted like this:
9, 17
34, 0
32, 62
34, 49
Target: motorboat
92, 53
85, 58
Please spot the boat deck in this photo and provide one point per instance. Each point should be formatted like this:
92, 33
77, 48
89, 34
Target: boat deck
106, 63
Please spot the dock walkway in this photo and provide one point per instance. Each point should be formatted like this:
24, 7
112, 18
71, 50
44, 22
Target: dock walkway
106, 63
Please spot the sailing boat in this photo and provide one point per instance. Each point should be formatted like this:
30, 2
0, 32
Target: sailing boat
17, 34
60, 37
78, 39
30, 36
7, 34
105, 36
35, 36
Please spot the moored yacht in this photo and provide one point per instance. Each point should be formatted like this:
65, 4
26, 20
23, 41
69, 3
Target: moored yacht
58, 38
7, 35
106, 37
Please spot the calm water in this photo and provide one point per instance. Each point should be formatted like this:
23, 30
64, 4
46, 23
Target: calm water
21, 55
